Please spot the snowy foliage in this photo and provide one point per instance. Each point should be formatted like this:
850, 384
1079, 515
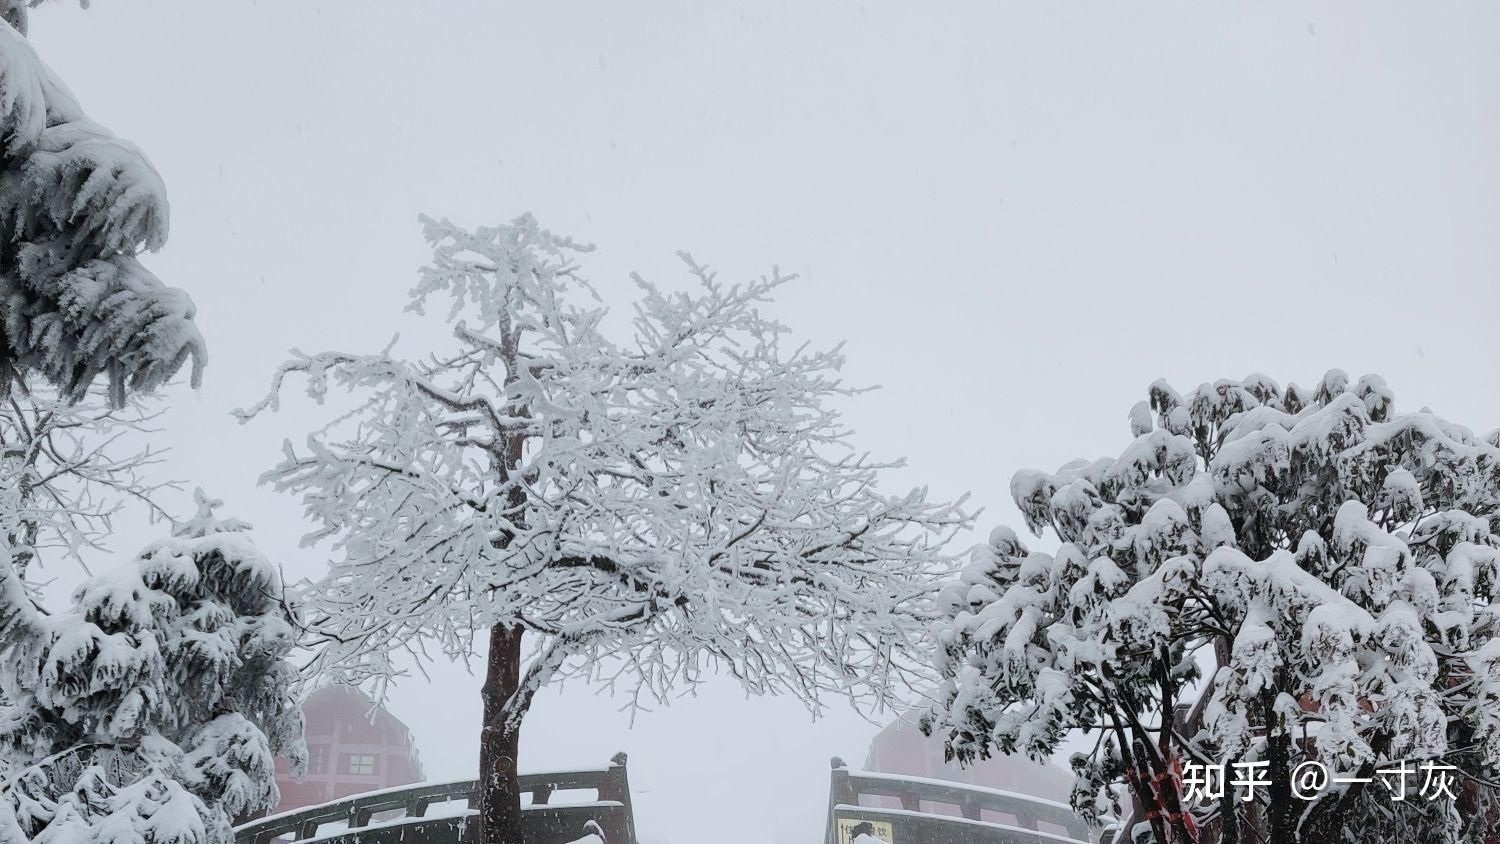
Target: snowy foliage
151, 710
644, 511
1329, 564
77, 204
67, 468
650, 507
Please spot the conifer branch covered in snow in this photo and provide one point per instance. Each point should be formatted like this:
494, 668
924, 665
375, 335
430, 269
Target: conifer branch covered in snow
77, 204
153, 708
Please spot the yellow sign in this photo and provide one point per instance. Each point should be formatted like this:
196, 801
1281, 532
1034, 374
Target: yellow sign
850, 829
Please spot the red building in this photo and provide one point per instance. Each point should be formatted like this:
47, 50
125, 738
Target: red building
353, 746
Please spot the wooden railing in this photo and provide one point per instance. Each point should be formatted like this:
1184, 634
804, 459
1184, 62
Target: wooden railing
974, 815
404, 813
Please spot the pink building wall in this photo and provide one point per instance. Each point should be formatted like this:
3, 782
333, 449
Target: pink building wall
350, 750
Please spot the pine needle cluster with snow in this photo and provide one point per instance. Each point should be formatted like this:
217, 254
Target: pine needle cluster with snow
151, 711
77, 204
1309, 574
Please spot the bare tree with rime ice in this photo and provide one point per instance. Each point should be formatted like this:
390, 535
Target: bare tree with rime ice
645, 511
68, 468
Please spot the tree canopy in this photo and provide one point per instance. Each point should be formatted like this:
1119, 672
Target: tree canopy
1263, 574
153, 708
646, 509
77, 204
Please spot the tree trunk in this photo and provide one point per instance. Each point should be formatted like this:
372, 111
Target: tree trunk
1278, 752
499, 743
1140, 788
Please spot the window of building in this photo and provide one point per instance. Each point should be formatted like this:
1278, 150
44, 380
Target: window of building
359, 763
317, 759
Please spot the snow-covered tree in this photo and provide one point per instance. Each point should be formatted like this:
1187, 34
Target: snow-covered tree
644, 510
152, 709
1328, 565
67, 468
77, 204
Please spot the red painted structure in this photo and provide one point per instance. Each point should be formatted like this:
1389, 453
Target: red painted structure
353, 746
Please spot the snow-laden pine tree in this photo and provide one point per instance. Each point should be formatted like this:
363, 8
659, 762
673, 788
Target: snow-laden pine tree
152, 709
643, 510
1327, 564
77, 204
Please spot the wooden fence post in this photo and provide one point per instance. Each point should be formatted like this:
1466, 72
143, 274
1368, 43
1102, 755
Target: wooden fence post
619, 781
839, 793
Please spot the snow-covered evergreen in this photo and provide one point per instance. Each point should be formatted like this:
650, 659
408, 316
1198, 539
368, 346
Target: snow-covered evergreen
77, 204
152, 709
645, 510
1331, 563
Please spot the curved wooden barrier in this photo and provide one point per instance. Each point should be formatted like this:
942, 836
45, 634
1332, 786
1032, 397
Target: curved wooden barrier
968, 814
405, 814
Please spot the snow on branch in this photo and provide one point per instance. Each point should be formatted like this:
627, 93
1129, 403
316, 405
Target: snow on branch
67, 468
150, 710
649, 508
77, 204
1262, 574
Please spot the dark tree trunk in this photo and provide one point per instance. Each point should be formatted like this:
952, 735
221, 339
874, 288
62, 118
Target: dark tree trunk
1140, 789
1279, 753
500, 741
1229, 822
499, 744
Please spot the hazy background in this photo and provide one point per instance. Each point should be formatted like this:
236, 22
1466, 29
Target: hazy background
1017, 216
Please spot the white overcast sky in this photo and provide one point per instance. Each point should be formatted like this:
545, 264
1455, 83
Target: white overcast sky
1017, 215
